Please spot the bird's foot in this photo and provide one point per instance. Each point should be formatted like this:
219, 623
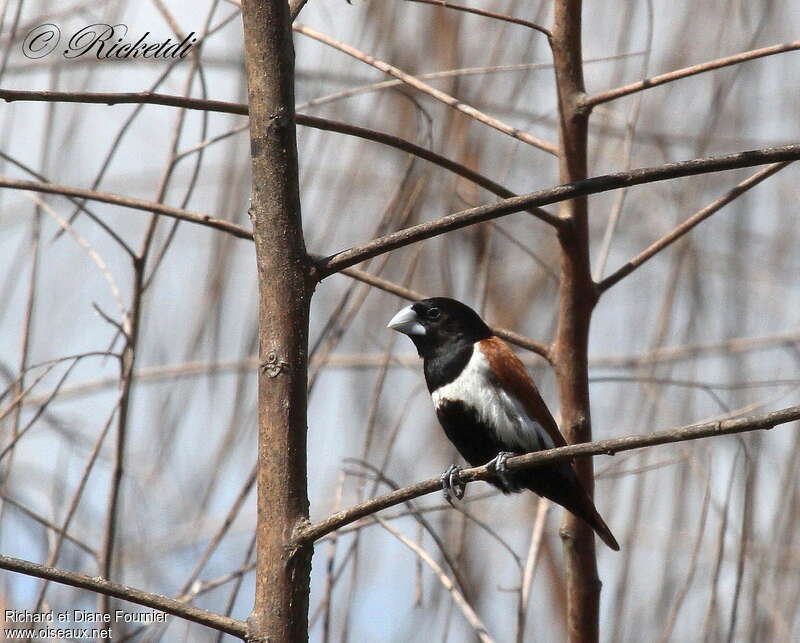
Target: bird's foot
498, 465
451, 483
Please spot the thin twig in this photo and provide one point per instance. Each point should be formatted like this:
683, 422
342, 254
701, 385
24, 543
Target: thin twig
417, 84
448, 73
529, 570
128, 202
612, 94
547, 196
486, 14
49, 525
691, 222
466, 609
231, 626
151, 98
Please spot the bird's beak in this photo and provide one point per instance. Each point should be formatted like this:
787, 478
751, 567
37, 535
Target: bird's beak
406, 322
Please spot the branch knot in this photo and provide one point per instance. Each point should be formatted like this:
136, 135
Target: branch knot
272, 366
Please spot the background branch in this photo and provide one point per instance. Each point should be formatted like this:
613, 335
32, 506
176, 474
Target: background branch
126, 593
547, 196
655, 81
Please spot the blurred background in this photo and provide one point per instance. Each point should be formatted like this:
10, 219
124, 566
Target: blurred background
707, 329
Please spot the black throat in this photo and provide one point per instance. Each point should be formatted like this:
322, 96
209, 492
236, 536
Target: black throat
445, 365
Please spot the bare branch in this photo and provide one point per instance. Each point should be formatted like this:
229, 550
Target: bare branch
678, 353
338, 262
223, 107
466, 609
128, 202
417, 84
486, 14
241, 233
661, 79
691, 222
547, 196
125, 592
763, 422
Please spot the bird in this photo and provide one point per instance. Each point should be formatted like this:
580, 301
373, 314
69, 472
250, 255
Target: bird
489, 407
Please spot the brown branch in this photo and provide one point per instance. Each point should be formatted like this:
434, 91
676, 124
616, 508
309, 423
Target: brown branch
539, 348
486, 14
423, 153
225, 624
282, 579
241, 233
417, 84
223, 107
655, 81
336, 263
128, 202
439, 226
576, 301
556, 194
317, 530
689, 224
467, 610
123, 98
295, 7
460, 72
671, 354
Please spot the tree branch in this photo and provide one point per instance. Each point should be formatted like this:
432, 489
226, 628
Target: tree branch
763, 422
218, 622
458, 598
128, 202
486, 14
655, 81
241, 233
689, 224
517, 339
223, 107
594, 185
576, 300
417, 84
283, 573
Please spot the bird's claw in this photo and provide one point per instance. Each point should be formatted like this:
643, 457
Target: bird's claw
451, 483
498, 465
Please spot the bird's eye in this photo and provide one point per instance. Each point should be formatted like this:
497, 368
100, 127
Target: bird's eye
434, 313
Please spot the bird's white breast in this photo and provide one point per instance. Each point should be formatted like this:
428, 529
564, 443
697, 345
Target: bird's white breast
475, 388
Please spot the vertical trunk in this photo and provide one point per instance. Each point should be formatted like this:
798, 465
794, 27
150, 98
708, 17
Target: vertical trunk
577, 300
280, 612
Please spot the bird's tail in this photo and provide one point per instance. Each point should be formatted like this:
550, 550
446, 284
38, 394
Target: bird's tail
596, 522
561, 485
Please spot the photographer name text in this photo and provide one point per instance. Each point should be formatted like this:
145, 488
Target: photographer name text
103, 41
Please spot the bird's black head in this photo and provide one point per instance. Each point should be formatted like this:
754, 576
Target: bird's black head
438, 324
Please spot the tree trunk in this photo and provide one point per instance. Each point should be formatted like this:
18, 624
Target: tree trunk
578, 296
280, 612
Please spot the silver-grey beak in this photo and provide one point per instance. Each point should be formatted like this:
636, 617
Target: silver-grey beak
406, 322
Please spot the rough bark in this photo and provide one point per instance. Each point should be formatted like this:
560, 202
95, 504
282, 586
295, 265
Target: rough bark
576, 303
280, 611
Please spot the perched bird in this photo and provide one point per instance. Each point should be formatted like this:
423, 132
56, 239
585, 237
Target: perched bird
489, 407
